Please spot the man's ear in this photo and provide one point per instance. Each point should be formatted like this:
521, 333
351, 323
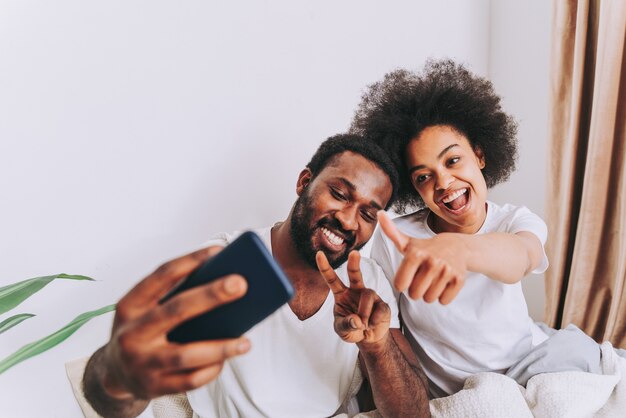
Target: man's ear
481, 156
304, 179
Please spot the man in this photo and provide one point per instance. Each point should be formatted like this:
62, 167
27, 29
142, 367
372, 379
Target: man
294, 364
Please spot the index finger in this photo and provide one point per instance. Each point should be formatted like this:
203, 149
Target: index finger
389, 228
150, 290
333, 281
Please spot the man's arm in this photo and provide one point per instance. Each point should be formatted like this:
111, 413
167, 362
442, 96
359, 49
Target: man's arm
139, 363
398, 384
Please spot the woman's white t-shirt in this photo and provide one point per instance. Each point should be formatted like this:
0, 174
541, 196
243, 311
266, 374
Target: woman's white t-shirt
486, 327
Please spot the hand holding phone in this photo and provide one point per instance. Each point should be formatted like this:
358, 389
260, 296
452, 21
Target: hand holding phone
268, 289
138, 363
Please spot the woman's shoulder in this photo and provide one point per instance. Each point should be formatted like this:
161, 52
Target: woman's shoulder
513, 218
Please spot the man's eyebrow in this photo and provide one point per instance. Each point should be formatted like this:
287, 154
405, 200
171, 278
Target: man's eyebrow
352, 187
348, 184
441, 154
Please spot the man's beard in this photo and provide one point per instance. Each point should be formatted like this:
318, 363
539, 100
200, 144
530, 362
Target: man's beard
301, 232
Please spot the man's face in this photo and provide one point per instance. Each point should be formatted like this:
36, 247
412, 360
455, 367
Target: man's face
446, 172
336, 210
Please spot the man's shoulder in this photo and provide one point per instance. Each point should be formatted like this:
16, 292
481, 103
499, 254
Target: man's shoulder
373, 275
225, 238
222, 238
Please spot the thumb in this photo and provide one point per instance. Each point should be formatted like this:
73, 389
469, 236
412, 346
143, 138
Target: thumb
389, 228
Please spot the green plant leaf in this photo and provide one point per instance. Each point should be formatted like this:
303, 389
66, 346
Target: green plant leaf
16, 293
46, 343
9, 323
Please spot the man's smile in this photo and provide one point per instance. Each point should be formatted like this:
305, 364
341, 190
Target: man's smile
332, 237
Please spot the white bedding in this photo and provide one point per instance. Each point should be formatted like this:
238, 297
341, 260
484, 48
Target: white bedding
485, 395
560, 394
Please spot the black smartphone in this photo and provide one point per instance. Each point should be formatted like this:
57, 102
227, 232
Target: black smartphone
268, 289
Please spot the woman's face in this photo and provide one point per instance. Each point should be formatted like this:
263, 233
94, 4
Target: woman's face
446, 172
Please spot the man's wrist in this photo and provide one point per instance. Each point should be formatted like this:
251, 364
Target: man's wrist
375, 347
113, 389
99, 394
111, 384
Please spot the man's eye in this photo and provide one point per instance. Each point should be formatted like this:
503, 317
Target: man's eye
369, 217
337, 194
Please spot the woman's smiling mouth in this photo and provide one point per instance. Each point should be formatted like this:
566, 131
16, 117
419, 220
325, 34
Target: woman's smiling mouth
456, 201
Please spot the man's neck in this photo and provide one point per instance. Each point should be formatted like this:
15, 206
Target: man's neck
311, 288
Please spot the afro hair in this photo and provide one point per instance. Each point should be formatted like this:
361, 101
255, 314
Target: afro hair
397, 109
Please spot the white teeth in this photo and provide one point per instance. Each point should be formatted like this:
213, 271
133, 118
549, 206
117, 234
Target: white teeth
453, 196
334, 239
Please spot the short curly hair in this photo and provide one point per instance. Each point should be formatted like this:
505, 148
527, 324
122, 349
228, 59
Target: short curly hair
397, 109
338, 144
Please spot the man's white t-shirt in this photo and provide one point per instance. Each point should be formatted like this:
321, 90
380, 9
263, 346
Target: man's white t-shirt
486, 327
295, 368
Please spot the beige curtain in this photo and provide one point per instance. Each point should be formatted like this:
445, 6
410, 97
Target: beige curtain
586, 184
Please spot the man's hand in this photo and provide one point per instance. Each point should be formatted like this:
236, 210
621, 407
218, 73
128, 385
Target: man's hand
433, 269
361, 316
139, 363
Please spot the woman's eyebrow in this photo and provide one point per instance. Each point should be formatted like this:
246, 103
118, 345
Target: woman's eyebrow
446, 149
441, 154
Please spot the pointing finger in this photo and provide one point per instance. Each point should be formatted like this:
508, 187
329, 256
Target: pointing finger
389, 228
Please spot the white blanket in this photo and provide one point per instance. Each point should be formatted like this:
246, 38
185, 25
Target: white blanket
485, 395
561, 394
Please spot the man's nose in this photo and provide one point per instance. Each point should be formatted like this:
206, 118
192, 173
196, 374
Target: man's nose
347, 217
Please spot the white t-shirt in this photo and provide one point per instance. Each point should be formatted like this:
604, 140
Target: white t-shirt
295, 368
486, 327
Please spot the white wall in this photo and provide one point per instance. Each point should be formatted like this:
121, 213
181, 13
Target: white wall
518, 66
131, 131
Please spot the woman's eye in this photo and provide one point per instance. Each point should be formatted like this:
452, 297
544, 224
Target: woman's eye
421, 178
453, 160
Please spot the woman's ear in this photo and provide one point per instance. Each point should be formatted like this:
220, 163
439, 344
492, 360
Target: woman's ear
304, 178
481, 156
